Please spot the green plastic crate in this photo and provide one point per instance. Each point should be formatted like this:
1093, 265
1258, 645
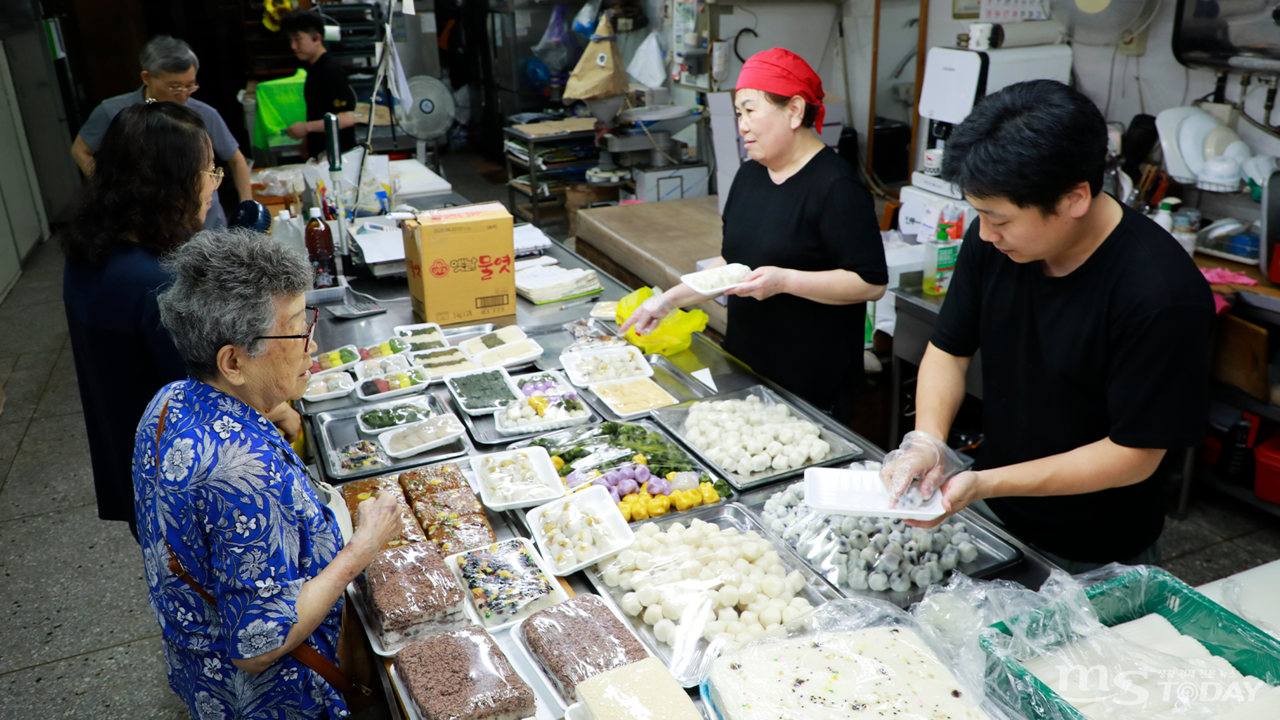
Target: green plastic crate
1137, 593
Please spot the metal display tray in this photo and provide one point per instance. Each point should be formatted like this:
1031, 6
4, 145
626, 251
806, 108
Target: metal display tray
453, 336
484, 428
681, 385
843, 449
692, 668
994, 554
340, 427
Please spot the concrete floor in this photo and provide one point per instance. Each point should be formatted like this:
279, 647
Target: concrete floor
80, 639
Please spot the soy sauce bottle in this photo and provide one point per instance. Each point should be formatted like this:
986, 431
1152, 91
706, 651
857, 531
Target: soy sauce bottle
320, 251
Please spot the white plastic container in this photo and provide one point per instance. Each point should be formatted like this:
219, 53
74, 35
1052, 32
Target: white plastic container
418, 402
500, 422
449, 424
438, 376
571, 361
450, 382
418, 374
601, 391
316, 358
487, 359
347, 384
838, 491
704, 281
597, 502
400, 363
553, 486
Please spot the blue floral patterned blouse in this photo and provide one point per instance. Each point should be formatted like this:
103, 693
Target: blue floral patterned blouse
234, 502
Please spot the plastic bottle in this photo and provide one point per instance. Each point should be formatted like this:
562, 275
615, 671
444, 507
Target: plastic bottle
1164, 217
285, 231
319, 241
940, 253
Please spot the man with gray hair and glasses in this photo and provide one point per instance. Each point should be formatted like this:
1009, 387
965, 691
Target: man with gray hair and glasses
168, 75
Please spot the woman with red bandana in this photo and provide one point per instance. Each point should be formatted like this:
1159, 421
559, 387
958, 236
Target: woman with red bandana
800, 217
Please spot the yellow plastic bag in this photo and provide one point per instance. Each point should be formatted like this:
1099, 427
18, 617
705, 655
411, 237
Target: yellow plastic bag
673, 334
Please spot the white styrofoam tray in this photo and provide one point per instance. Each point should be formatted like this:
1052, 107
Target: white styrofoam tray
541, 461
631, 415
346, 382
694, 277
544, 703
515, 361
398, 352
401, 363
418, 326
595, 499
455, 430
605, 309
556, 588
357, 600
563, 386
419, 373
344, 366
536, 428
569, 361
523, 336
840, 491
439, 377
457, 399
418, 402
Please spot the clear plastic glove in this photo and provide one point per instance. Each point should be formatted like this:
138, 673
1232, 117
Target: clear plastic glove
922, 457
649, 315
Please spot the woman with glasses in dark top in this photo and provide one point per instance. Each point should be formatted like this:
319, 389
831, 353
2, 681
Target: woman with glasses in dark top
153, 185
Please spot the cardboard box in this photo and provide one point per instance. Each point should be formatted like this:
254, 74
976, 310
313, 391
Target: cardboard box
461, 264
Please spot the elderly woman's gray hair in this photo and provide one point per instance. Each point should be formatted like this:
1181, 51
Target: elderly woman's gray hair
223, 293
164, 54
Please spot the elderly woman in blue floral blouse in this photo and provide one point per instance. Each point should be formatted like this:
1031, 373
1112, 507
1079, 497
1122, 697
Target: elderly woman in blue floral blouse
232, 501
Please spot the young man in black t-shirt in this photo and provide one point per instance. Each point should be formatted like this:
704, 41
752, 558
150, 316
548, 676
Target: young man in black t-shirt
326, 89
1094, 327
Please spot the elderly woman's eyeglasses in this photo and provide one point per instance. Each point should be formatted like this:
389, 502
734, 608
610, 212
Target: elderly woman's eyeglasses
216, 173
311, 329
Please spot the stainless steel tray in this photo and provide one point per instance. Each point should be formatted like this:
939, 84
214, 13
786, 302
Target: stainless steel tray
484, 428
842, 449
682, 386
453, 335
691, 668
339, 428
994, 554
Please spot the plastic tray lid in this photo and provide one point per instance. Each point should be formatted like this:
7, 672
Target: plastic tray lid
839, 491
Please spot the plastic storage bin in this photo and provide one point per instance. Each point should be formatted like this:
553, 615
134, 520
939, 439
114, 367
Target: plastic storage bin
1266, 473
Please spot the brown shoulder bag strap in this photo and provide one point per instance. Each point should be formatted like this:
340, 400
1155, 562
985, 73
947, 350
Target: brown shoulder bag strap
304, 653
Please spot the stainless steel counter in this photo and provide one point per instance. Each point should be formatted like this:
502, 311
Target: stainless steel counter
727, 373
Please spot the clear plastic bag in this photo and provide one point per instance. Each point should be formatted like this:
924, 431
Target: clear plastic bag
576, 640
463, 674
557, 49
695, 586
505, 582
869, 555
848, 658
409, 592
360, 490
1051, 655
584, 23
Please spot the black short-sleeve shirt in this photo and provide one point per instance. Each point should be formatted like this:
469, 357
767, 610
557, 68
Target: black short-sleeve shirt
326, 90
821, 218
1117, 349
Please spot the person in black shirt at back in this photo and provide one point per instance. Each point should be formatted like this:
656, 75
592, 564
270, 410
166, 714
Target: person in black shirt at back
1094, 326
798, 215
326, 89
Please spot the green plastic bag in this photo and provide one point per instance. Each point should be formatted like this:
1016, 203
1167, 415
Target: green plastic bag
674, 334
280, 104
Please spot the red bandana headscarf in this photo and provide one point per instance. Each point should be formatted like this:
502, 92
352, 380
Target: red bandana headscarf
783, 72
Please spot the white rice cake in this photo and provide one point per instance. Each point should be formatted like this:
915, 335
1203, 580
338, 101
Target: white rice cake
873, 672
640, 691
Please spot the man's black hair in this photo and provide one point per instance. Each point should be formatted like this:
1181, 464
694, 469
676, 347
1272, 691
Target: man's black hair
306, 21
1030, 143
